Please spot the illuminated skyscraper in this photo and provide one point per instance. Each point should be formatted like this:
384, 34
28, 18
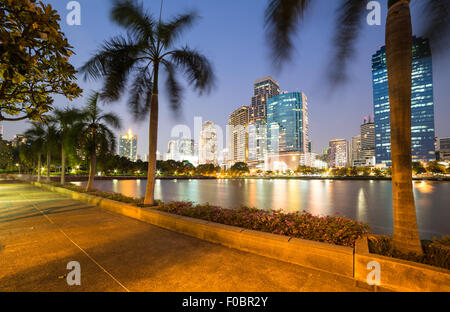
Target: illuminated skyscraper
128, 146
238, 136
264, 89
422, 105
338, 154
208, 145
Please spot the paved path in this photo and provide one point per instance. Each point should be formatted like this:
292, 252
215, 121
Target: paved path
41, 231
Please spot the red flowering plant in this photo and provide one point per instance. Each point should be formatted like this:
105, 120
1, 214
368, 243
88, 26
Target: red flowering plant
330, 229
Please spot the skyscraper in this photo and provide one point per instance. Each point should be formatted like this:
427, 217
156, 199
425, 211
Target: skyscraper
128, 146
238, 136
355, 151
264, 89
338, 154
208, 145
368, 143
422, 105
287, 123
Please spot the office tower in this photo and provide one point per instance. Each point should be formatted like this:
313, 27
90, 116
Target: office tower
338, 154
287, 123
208, 145
368, 143
422, 106
355, 151
444, 149
172, 150
238, 136
128, 146
180, 150
264, 89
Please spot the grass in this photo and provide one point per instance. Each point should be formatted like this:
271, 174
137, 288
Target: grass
435, 252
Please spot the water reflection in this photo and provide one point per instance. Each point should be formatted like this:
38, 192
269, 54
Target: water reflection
362, 200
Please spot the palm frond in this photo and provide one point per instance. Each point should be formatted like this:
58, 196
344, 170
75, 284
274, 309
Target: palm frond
169, 32
174, 89
132, 16
436, 21
111, 119
113, 62
196, 67
348, 24
281, 19
140, 95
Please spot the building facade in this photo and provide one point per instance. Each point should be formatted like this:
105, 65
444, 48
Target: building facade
128, 146
368, 143
237, 136
355, 151
422, 104
287, 123
338, 153
208, 144
264, 89
444, 149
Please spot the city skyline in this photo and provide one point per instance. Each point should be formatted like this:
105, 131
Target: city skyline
327, 114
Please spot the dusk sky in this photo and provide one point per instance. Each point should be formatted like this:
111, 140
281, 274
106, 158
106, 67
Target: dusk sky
231, 34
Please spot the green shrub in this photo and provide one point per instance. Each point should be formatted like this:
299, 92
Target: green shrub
435, 253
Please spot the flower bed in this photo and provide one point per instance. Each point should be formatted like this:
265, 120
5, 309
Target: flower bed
334, 230
435, 253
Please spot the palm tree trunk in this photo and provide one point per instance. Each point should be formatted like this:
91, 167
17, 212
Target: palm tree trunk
48, 165
63, 165
153, 142
90, 185
399, 63
39, 168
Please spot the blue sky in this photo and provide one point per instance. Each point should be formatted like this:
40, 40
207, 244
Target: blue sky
231, 35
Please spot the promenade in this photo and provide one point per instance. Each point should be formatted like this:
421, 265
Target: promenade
41, 232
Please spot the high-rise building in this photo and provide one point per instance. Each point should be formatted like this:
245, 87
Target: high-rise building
208, 145
238, 136
180, 150
128, 146
444, 149
287, 123
338, 154
368, 143
18, 140
264, 89
355, 151
422, 105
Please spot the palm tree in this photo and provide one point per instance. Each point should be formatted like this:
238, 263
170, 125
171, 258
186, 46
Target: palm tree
67, 121
281, 20
96, 135
50, 142
148, 48
36, 137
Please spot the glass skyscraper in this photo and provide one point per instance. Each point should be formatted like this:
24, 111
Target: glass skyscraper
128, 146
422, 105
287, 123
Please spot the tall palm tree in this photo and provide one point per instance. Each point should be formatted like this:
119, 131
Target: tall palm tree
36, 137
67, 121
140, 57
95, 134
282, 17
51, 142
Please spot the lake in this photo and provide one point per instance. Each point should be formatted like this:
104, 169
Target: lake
368, 201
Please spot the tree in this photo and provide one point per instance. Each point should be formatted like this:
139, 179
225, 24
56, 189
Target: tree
68, 125
239, 169
36, 137
281, 20
418, 168
51, 143
34, 60
6, 154
435, 167
95, 135
146, 50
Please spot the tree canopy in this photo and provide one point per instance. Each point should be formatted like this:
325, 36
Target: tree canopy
34, 60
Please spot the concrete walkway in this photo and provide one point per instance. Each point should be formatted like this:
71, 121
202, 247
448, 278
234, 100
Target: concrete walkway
41, 232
